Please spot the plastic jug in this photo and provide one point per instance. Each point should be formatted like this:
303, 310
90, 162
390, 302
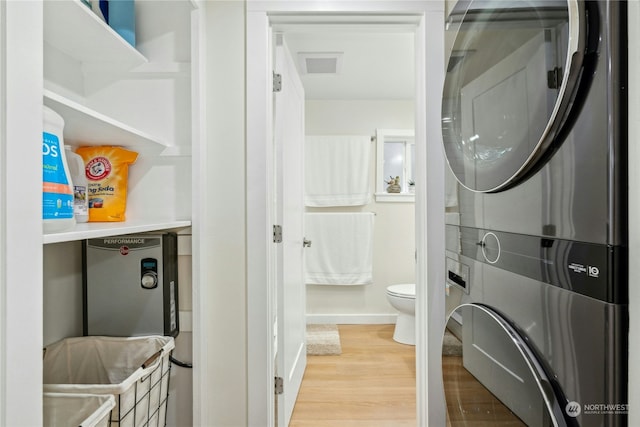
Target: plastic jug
80, 185
57, 188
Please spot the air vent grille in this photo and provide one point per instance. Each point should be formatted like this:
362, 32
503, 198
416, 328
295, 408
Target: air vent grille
320, 62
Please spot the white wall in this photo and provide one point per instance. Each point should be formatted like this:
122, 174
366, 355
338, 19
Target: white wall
62, 291
219, 305
394, 235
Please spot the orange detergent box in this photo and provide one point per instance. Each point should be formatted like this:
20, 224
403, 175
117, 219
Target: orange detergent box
107, 170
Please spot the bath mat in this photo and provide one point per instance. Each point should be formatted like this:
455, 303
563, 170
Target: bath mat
451, 346
323, 340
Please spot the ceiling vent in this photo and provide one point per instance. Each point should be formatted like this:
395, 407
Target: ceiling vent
320, 62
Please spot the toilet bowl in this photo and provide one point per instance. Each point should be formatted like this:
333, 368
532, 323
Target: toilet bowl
403, 298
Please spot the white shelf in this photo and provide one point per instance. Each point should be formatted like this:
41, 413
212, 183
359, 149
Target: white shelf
73, 28
92, 230
84, 126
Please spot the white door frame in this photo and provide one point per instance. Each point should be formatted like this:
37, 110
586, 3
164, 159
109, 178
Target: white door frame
21, 301
429, 218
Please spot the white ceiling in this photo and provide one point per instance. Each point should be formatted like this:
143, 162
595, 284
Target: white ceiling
377, 62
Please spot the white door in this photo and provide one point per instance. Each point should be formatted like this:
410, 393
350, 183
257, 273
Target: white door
288, 141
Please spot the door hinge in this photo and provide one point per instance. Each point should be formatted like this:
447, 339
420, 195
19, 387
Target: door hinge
279, 385
277, 234
277, 82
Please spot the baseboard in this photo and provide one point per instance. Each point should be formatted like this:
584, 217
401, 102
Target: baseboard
352, 319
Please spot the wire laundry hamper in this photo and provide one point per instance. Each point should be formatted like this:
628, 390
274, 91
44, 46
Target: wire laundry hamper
135, 370
83, 410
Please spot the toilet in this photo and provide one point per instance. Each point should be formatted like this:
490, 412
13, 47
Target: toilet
403, 298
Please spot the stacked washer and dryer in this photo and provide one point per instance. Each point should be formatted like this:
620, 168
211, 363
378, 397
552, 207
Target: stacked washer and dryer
534, 123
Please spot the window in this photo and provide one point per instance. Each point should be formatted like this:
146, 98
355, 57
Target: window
395, 158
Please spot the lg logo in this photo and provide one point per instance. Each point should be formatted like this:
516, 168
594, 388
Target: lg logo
593, 271
573, 409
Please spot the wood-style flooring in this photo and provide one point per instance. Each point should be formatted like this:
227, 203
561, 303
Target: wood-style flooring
371, 384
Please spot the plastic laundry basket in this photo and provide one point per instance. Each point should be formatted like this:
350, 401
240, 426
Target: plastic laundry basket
74, 409
133, 369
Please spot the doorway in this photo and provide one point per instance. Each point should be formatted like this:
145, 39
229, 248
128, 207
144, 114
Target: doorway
261, 18
358, 78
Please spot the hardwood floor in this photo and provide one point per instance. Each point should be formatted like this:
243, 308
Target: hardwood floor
371, 384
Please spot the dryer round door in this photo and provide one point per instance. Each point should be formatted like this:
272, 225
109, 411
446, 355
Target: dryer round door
512, 78
492, 377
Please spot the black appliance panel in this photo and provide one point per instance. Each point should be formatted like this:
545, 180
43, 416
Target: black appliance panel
597, 271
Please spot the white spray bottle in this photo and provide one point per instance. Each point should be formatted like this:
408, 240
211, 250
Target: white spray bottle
80, 185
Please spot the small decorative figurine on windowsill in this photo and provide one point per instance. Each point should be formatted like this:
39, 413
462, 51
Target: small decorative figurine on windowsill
393, 185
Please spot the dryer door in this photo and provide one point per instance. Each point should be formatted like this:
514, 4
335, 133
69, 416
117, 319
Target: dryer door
514, 71
491, 377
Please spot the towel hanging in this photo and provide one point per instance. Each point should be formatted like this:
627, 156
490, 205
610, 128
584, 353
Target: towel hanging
342, 250
337, 170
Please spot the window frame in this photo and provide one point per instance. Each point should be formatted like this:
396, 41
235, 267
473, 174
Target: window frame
394, 135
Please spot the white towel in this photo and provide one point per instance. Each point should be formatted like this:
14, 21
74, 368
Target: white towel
341, 251
337, 170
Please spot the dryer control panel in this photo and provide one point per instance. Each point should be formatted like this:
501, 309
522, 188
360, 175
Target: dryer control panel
590, 269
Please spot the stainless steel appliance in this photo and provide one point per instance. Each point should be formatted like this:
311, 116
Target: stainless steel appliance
534, 129
130, 285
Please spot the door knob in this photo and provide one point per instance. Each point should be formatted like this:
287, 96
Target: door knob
306, 243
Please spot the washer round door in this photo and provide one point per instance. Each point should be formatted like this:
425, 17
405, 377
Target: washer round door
491, 376
512, 80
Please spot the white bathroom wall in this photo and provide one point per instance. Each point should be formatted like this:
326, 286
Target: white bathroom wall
394, 235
